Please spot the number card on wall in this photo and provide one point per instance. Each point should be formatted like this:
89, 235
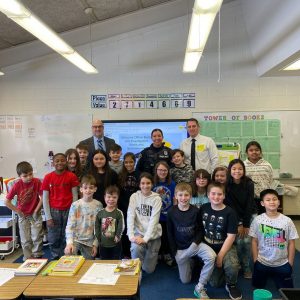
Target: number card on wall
176, 103
189, 103
138, 101
114, 104
139, 104
126, 104
164, 104
144, 101
151, 103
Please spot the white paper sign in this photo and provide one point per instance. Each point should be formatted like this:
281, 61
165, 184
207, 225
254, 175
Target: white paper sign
6, 274
100, 274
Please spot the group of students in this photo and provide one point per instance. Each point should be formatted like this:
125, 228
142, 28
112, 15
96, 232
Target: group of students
174, 213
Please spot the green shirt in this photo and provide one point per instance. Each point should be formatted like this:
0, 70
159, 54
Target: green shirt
108, 225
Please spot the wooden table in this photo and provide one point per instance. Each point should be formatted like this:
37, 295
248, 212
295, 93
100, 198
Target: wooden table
14, 288
68, 287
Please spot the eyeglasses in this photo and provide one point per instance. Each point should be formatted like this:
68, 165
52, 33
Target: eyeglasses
100, 126
162, 170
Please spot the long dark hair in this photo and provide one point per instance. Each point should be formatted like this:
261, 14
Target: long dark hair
146, 175
124, 173
253, 143
198, 174
157, 129
244, 178
106, 168
256, 144
78, 170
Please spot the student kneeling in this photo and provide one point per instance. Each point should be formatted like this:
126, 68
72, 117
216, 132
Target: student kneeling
185, 232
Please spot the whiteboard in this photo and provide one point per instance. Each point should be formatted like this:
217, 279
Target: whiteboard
289, 139
31, 137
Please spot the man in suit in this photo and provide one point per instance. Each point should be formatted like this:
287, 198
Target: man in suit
98, 140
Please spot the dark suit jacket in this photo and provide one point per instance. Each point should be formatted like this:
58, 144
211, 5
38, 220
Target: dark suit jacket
90, 143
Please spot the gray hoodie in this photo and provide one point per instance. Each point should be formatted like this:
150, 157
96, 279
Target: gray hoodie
143, 216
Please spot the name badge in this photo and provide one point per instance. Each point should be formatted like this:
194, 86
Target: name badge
200, 148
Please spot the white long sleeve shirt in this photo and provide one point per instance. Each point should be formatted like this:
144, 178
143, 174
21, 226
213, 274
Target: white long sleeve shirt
261, 173
206, 155
143, 216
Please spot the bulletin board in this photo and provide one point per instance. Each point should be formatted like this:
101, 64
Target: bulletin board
31, 137
276, 131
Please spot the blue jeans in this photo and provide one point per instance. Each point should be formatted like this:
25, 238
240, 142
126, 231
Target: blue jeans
243, 247
229, 272
57, 233
281, 275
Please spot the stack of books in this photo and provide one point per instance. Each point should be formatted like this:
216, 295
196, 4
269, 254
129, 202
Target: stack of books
31, 267
128, 267
65, 266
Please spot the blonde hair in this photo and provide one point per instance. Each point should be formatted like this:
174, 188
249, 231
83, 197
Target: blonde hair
182, 187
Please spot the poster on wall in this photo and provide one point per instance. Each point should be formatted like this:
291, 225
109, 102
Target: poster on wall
144, 101
276, 131
32, 137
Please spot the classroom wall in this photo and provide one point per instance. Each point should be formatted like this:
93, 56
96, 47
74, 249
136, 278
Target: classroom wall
150, 60
274, 38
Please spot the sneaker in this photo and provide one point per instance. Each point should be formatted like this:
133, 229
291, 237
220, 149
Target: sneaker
45, 243
233, 291
200, 292
168, 260
248, 275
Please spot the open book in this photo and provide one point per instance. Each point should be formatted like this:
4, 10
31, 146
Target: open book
31, 266
128, 267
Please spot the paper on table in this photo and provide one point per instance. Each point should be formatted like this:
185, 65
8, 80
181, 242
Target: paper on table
100, 274
6, 274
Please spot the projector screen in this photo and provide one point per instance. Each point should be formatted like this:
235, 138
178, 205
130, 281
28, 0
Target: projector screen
134, 136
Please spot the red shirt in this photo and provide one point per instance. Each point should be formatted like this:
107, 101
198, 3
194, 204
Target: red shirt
27, 195
60, 189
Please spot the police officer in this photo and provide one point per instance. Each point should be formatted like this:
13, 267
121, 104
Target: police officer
155, 153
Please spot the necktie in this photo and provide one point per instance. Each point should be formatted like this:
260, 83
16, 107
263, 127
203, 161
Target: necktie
100, 144
193, 154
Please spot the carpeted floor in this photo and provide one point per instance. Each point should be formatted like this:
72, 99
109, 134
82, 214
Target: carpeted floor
46, 255
164, 283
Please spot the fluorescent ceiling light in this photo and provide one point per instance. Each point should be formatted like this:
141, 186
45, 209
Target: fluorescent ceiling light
36, 27
191, 61
1, 73
293, 66
204, 13
26, 19
80, 62
14, 9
